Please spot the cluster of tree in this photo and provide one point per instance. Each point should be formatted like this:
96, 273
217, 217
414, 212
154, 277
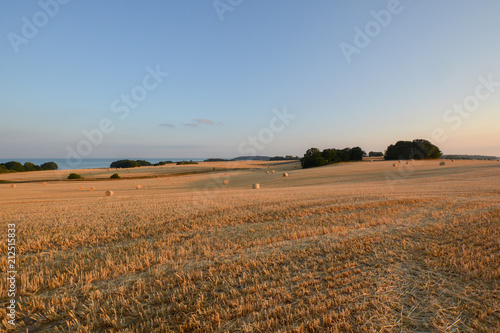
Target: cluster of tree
314, 157
186, 162
469, 157
163, 163
217, 160
375, 154
286, 158
14, 166
417, 149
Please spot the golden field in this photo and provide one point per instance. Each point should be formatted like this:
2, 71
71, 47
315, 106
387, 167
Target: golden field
351, 247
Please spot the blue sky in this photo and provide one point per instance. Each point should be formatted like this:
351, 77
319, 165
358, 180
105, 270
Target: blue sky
228, 77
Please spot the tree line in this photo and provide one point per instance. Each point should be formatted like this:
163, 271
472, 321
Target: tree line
315, 158
14, 166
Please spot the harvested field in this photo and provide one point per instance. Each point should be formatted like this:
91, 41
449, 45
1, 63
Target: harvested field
348, 247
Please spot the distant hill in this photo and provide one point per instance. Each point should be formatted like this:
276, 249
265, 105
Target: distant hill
469, 157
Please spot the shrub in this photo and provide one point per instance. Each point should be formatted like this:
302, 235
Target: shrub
74, 176
186, 162
3, 169
115, 176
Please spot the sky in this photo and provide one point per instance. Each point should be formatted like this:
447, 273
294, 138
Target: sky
224, 78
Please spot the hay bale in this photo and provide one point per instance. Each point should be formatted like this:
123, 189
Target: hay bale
273, 171
92, 189
400, 161
267, 171
394, 164
407, 162
13, 186
109, 193
226, 181
453, 160
80, 188
44, 183
285, 174
139, 187
255, 186
442, 163
192, 179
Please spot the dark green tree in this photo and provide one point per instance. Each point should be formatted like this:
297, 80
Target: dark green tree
49, 166
14, 166
28, 166
356, 154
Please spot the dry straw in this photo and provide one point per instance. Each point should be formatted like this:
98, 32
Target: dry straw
255, 186
109, 193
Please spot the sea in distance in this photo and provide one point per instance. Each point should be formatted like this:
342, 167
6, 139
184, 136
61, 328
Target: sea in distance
91, 163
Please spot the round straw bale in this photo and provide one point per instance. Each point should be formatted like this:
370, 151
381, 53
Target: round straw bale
285, 174
92, 189
267, 171
226, 181
407, 162
273, 171
394, 164
13, 186
44, 183
139, 187
442, 163
400, 161
255, 186
80, 188
109, 193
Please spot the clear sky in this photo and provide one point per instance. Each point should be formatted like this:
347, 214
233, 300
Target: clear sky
348, 73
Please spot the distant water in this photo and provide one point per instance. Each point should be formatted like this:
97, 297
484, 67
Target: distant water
91, 163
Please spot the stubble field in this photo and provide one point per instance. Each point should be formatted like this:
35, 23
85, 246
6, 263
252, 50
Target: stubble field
353, 247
